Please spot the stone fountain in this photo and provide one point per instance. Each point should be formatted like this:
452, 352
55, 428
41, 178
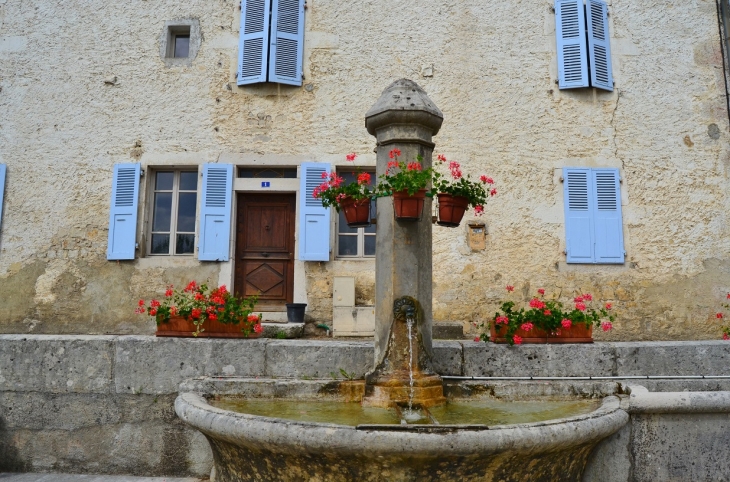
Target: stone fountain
256, 447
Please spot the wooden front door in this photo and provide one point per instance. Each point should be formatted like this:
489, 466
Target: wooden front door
265, 248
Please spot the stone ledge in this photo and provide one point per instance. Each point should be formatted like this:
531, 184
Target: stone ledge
150, 365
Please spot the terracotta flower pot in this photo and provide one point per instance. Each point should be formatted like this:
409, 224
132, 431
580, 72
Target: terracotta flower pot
357, 212
578, 333
451, 209
408, 207
181, 327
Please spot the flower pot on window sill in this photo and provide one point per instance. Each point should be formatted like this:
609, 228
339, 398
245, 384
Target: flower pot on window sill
578, 333
451, 209
408, 207
184, 328
357, 212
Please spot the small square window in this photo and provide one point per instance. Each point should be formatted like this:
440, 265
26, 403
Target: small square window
180, 42
182, 45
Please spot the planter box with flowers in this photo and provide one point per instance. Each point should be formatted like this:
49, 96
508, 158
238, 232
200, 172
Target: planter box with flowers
547, 321
198, 311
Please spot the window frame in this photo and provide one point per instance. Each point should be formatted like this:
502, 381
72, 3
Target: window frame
173, 232
361, 234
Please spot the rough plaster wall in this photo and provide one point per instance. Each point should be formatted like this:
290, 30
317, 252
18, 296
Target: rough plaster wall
490, 67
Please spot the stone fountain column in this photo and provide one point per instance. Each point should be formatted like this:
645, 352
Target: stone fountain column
403, 118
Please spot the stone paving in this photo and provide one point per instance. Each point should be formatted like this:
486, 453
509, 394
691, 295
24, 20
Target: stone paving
5, 477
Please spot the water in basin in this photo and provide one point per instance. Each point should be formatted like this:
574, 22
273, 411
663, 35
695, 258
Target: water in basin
482, 411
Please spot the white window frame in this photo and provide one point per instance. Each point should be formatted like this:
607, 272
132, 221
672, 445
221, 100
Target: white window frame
360, 231
173, 210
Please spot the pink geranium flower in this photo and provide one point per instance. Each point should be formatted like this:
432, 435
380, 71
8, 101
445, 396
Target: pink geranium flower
606, 326
517, 339
566, 323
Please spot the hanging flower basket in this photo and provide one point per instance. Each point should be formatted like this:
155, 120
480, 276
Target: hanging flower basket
408, 207
451, 209
357, 211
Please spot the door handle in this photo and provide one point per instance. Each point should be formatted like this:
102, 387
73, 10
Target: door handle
265, 255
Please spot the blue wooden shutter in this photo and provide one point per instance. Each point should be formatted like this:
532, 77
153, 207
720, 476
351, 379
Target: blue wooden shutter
2, 190
253, 41
599, 47
608, 227
287, 41
314, 219
123, 213
577, 187
215, 212
570, 33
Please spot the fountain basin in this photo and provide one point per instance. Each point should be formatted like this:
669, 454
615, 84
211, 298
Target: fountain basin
251, 447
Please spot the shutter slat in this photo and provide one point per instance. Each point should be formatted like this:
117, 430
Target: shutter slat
123, 212
287, 42
599, 45
215, 212
3, 170
314, 219
609, 245
571, 44
578, 219
253, 43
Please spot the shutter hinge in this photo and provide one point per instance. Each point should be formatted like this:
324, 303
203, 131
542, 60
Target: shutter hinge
552, 9
562, 179
305, 5
141, 173
136, 245
565, 252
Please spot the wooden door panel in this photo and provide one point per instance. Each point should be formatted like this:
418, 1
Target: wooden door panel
265, 279
265, 248
265, 231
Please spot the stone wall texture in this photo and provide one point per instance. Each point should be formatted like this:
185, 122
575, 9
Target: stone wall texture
83, 86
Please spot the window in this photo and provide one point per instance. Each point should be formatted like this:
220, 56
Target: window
180, 42
174, 201
584, 49
355, 242
593, 226
271, 42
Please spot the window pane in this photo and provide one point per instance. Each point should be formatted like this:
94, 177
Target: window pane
369, 245
182, 45
342, 225
188, 181
185, 244
163, 181
160, 244
186, 211
347, 246
373, 215
161, 213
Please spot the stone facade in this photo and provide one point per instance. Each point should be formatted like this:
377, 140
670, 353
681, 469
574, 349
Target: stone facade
83, 86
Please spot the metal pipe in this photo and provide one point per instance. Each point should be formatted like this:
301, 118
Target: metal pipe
628, 377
